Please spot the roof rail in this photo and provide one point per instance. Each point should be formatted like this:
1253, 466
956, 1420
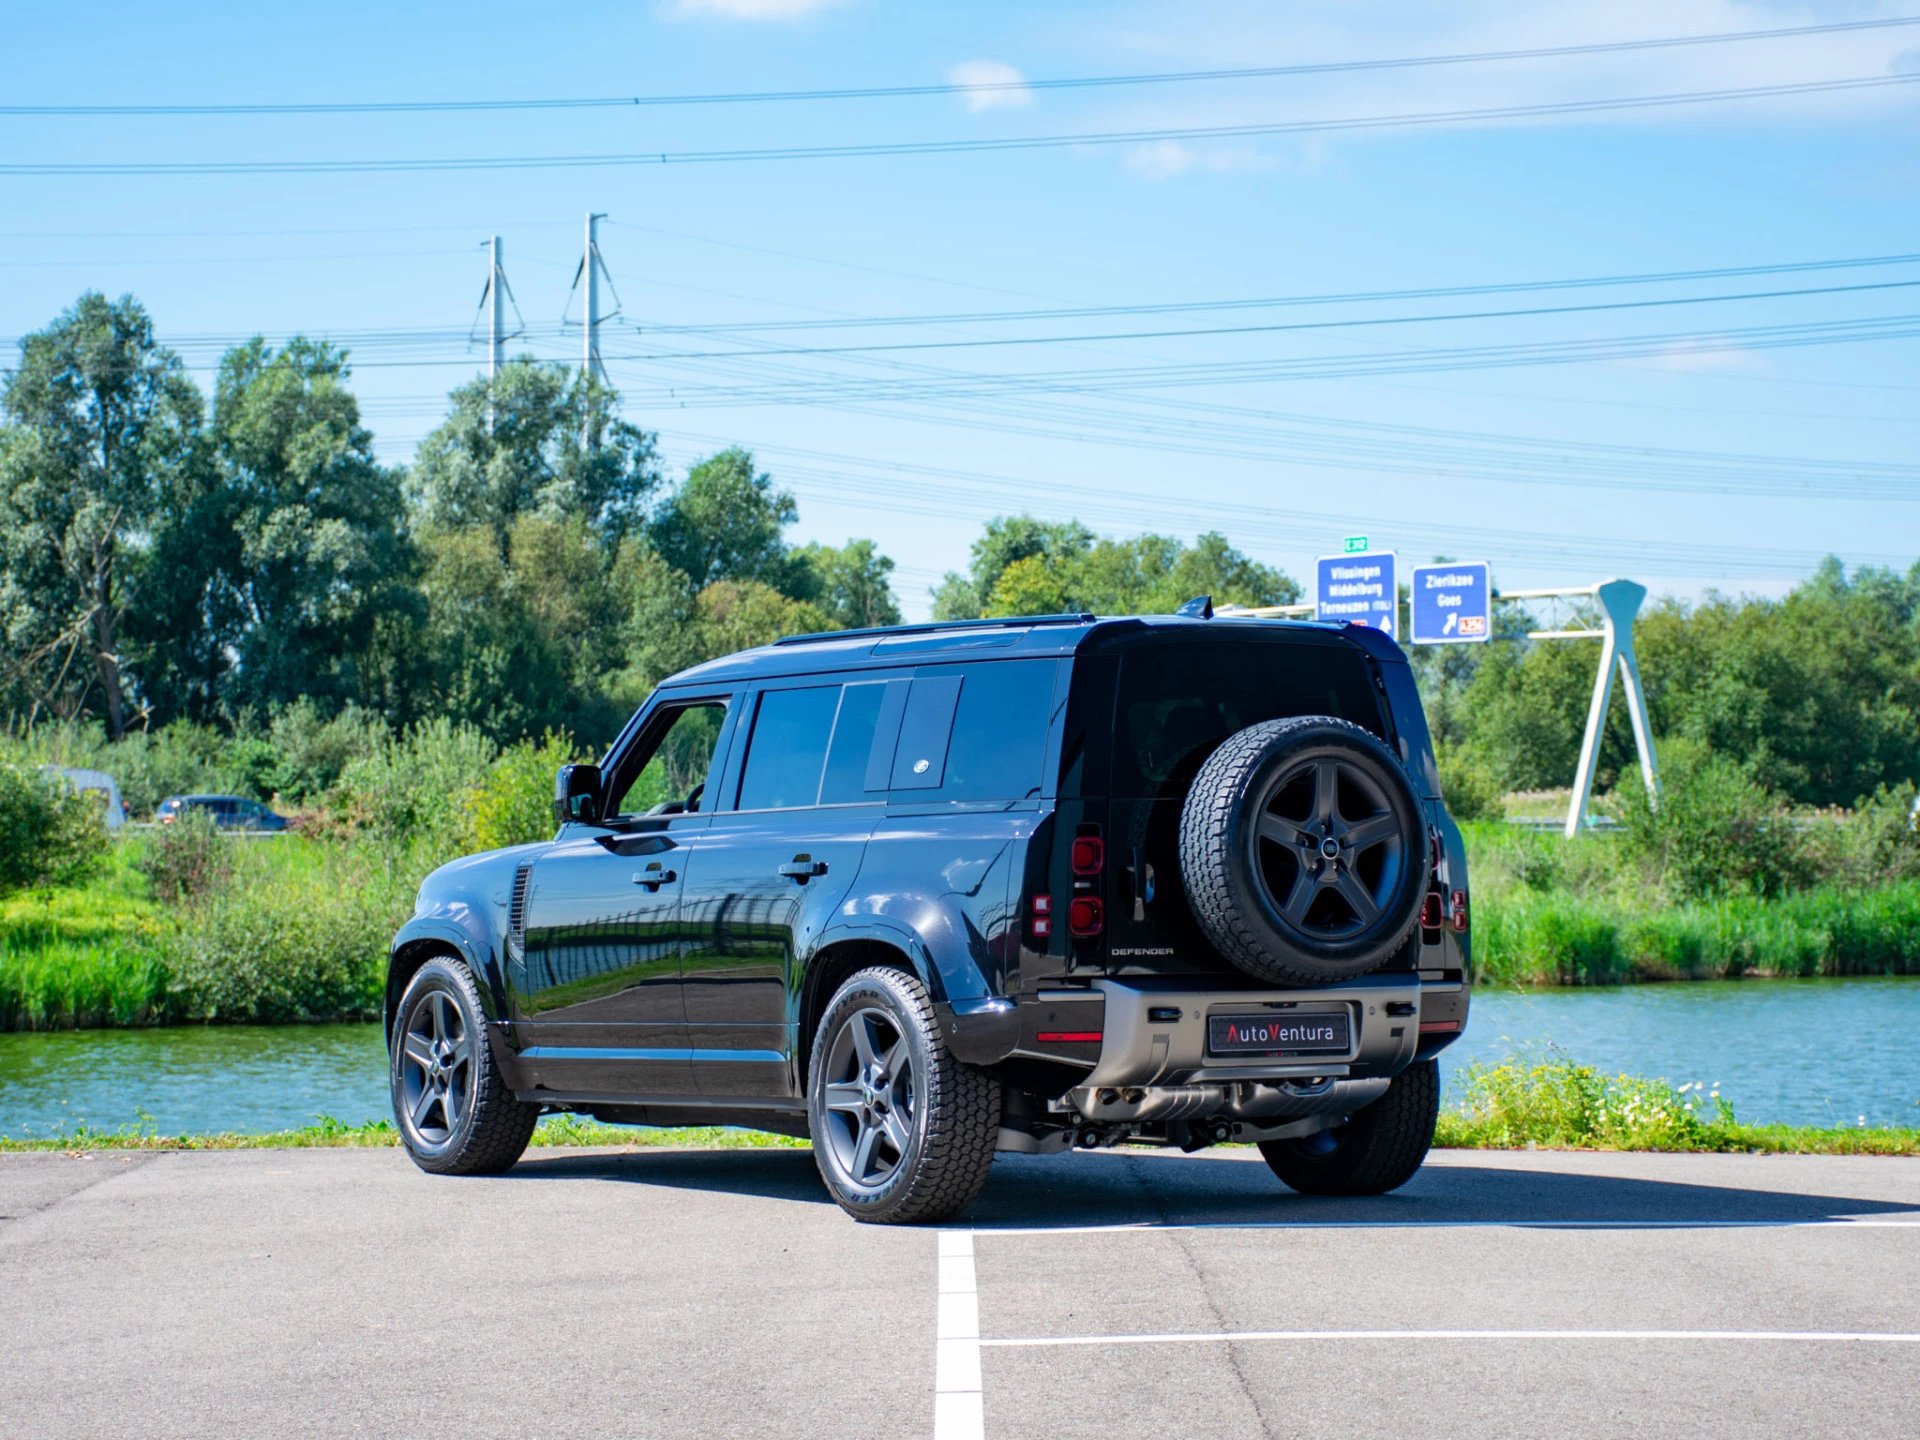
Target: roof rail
935, 626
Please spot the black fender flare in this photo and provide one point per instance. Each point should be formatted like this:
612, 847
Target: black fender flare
978, 1026
427, 933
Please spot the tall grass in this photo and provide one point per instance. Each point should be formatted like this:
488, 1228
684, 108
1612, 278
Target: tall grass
1566, 1106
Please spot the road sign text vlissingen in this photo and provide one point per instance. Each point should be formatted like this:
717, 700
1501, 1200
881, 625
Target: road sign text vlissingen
1360, 588
1450, 604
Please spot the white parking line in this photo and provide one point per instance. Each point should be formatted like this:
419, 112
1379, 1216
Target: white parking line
1890, 1222
1824, 1336
958, 1411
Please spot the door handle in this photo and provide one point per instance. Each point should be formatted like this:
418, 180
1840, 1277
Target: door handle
653, 877
802, 868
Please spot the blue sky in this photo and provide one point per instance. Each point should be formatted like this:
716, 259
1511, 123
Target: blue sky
1687, 463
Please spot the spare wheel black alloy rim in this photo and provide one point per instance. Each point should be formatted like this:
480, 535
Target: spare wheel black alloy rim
869, 1099
436, 1068
1329, 850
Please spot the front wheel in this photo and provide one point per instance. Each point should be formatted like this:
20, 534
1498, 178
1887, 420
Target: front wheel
1378, 1150
902, 1131
455, 1113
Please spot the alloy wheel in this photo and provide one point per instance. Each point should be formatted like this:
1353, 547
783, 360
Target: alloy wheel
869, 1099
436, 1069
1329, 849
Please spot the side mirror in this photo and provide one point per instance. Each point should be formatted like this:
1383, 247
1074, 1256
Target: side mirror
576, 794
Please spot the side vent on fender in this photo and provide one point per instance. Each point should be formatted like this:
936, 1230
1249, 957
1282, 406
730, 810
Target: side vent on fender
517, 916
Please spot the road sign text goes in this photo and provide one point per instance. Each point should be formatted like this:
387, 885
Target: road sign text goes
1450, 604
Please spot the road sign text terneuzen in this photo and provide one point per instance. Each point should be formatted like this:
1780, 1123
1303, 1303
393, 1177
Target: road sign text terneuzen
1450, 604
1360, 588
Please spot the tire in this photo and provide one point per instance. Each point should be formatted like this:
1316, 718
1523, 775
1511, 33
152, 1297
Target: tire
1378, 1150
1303, 849
456, 1116
882, 1075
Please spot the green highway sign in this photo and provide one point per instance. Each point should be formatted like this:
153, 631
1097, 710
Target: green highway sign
1356, 545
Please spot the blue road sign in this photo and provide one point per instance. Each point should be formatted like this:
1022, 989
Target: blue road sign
1360, 588
1450, 604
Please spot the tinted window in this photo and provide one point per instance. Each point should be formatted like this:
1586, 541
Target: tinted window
788, 750
1176, 703
845, 782
998, 742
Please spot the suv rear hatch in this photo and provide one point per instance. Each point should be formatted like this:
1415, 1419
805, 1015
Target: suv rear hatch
1167, 698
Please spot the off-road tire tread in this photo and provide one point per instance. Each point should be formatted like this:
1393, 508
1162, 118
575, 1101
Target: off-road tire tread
1388, 1145
961, 1105
1207, 845
501, 1126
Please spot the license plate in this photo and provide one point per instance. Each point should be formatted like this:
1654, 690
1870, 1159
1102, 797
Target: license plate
1322, 1032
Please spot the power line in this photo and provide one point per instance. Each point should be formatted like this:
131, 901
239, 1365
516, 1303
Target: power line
1302, 325
977, 145
895, 92
1177, 307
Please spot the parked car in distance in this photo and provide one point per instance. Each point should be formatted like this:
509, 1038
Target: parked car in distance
229, 812
935, 891
100, 787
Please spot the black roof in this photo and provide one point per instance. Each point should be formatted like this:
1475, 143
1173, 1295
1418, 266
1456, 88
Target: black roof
1026, 635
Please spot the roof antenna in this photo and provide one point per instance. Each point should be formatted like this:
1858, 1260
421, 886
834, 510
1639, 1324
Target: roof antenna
1198, 608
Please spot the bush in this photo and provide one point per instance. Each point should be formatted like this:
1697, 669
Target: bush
1469, 788
299, 932
1558, 1103
50, 834
1713, 830
514, 804
415, 787
184, 858
311, 753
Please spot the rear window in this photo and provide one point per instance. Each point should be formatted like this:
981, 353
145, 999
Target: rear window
1175, 704
976, 732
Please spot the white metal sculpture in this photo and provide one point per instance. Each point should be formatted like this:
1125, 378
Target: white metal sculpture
1617, 602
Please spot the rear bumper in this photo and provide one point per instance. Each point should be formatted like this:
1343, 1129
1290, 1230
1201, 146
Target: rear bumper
1154, 1032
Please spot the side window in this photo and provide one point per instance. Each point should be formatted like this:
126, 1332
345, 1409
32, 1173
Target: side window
977, 732
851, 750
788, 751
678, 764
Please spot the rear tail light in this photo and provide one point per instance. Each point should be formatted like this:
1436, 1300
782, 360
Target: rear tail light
1431, 916
1089, 854
1068, 1037
1085, 916
1040, 922
1457, 911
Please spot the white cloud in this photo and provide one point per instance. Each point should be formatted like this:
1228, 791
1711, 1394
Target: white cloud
1695, 357
1169, 159
750, 9
990, 85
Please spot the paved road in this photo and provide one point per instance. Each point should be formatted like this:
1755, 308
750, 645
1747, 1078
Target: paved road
678, 1294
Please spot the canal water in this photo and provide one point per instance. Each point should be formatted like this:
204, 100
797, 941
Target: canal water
1808, 1052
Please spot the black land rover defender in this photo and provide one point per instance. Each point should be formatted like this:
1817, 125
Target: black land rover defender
929, 892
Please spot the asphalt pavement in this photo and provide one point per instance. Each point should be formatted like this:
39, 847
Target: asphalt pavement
684, 1293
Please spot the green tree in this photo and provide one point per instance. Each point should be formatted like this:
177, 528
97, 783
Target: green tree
1023, 566
525, 644
850, 583
315, 543
1006, 539
513, 447
101, 451
725, 522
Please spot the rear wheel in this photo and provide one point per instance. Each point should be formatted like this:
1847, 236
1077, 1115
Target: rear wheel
902, 1131
1378, 1150
455, 1113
